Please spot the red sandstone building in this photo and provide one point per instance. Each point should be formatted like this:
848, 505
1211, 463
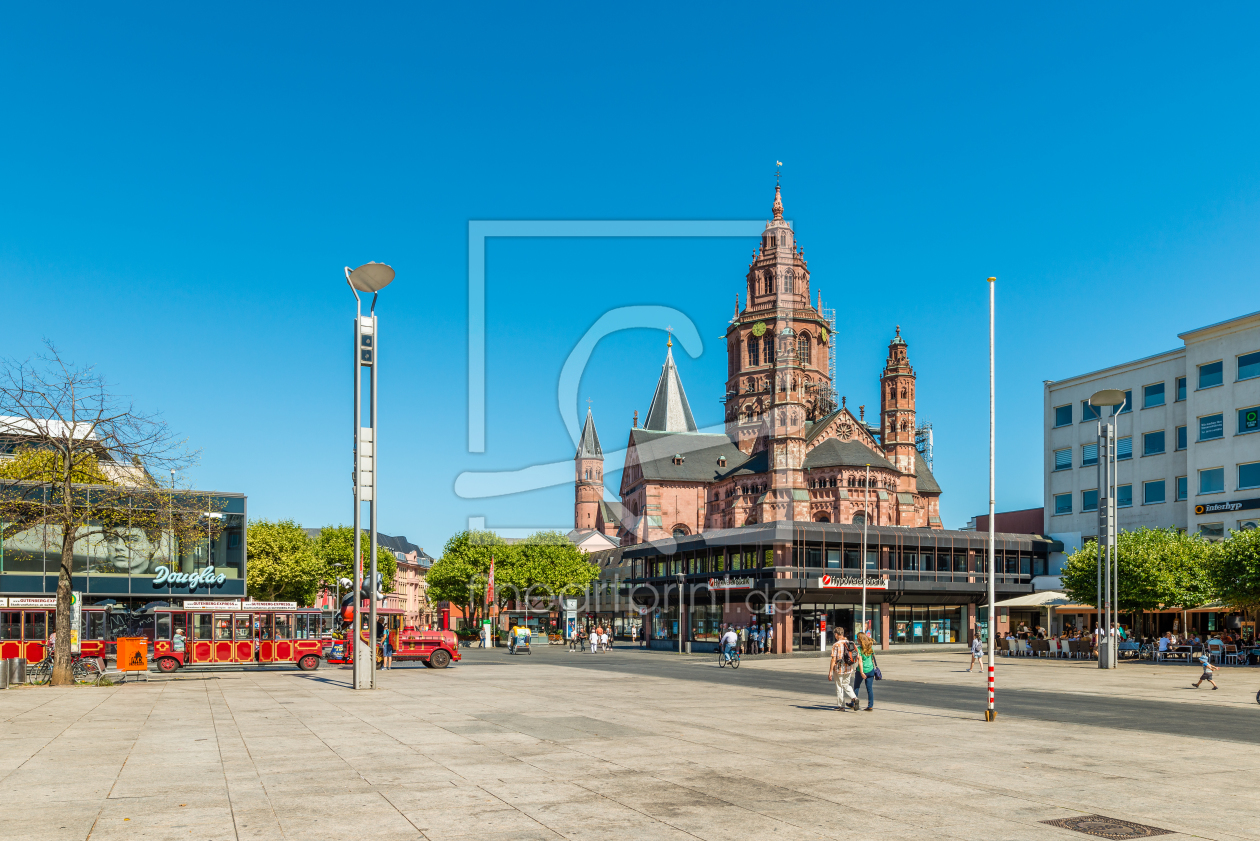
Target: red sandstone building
763, 520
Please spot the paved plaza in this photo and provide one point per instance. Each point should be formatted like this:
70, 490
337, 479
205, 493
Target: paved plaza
633, 745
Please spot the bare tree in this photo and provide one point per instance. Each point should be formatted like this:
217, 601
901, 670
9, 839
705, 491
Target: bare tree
80, 463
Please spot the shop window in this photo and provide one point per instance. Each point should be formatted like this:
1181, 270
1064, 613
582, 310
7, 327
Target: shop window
1063, 415
1152, 396
1212, 480
1211, 375
1212, 531
1249, 420
1089, 500
1249, 366
1211, 427
1249, 476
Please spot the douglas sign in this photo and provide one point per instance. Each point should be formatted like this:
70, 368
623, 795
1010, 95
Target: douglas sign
206, 578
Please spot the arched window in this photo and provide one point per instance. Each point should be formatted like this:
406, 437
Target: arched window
803, 351
789, 282
859, 518
822, 517
680, 531
769, 283
768, 348
754, 351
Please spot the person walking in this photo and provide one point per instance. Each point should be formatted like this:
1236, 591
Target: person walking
977, 652
1205, 660
769, 638
387, 651
866, 669
843, 665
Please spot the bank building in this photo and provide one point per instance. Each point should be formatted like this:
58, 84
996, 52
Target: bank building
762, 521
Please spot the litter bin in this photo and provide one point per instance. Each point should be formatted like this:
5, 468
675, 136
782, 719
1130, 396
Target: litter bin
133, 654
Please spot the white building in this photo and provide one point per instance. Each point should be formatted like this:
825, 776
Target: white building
1187, 455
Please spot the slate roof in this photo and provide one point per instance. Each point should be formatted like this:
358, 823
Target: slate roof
700, 452
836, 453
669, 410
926, 481
588, 444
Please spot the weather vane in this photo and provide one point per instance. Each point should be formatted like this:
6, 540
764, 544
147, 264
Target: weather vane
670, 330
778, 165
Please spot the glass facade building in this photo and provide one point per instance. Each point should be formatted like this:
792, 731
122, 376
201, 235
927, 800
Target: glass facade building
136, 565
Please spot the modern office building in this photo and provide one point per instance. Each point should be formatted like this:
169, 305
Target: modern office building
1187, 455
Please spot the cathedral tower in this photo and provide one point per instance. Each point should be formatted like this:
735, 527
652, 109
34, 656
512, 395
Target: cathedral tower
896, 403
778, 296
786, 499
588, 487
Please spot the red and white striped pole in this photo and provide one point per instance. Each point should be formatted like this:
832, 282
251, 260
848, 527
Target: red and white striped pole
990, 713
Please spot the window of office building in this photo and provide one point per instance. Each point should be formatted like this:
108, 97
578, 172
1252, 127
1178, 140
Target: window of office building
1249, 366
1089, 454
1249, 475
1181, 437
1153, 492
1063, 459
1183, 487
1153, 395
1211, 427
1181, 389
1153, 443
1063, 415
1062, 504
1127, 405
1088, 412
1212, 531
1249, 420
1124, 496
1124, 448
1212, 480
1089, 500
1211, 374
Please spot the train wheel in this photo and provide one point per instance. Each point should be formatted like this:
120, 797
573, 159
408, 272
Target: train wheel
166, 665
309, 663
440, 659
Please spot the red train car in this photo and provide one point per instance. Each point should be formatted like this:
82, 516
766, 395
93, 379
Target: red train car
24, 626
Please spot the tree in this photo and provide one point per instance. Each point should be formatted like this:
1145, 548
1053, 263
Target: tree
335, 545
282, 565
83, 472
459, 576
1157, 568
548, 563
1235, 571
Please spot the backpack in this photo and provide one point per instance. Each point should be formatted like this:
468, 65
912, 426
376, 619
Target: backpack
846, 655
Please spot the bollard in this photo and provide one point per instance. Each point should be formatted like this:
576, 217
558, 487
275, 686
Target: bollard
4, 673
18, 675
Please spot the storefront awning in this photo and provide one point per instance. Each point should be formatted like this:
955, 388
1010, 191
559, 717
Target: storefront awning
1046, 598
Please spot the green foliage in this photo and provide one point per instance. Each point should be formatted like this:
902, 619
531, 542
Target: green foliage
281, 564
335, 545
550, 564
1158, 568
1236, 572
31, 464
459, 576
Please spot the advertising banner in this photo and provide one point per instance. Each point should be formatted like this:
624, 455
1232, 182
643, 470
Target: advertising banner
852, 582
268, 605
730, 583
32, 601
212, 604
76, 620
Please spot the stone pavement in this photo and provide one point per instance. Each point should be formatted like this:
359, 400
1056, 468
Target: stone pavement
522, 748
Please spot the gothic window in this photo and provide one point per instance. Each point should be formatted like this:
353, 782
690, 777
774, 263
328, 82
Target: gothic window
754, 351
903, 392
769, 283
768, 348
789, 282
803, 352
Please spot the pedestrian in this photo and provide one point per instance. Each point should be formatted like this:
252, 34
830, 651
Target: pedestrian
844, 662
1206, 661
761, 639
387, 651
977, 651
605, 641
769, 638
866, 669
743, 640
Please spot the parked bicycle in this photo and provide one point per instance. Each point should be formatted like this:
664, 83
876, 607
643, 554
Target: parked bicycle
83, 669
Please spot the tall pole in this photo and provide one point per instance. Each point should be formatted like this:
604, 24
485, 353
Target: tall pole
1101, 459
866, 502
358, 674
376, 351
990, 713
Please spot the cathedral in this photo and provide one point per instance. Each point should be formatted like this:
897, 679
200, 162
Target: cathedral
786, 450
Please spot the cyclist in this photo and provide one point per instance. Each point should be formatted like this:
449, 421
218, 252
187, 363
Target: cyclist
729, 641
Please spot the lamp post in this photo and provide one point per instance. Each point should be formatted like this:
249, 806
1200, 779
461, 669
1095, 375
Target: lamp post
370, 277
866, 503
1107, 587
990, 712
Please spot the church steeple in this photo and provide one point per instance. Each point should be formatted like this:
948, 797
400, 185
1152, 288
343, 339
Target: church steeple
588, 472
670, 411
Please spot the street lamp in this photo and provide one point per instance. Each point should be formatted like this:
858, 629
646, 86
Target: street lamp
866, 503
370, 277
1107, 589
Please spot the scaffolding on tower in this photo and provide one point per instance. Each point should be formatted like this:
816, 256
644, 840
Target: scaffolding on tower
923, 442
828, 399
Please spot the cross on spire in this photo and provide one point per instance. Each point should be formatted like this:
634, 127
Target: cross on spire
670, 330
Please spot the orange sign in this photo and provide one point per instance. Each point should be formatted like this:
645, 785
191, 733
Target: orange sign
133, 654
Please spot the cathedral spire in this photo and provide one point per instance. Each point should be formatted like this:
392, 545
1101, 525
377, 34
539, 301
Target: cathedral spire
778, 203
588, 444
670, 411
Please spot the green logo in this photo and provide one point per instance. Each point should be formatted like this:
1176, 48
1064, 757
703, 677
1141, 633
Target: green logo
1252, 419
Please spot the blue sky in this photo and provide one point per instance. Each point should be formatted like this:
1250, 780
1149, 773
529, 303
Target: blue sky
181, 188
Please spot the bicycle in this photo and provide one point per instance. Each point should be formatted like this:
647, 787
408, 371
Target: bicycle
82, 669
732, 658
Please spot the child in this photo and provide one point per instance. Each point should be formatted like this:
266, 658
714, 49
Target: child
1208, 668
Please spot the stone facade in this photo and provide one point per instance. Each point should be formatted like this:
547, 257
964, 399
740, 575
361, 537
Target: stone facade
786, 451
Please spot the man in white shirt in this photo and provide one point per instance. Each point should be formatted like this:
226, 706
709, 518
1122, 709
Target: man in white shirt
729, 641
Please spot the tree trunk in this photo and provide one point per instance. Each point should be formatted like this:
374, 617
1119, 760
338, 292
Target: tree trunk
62, 675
